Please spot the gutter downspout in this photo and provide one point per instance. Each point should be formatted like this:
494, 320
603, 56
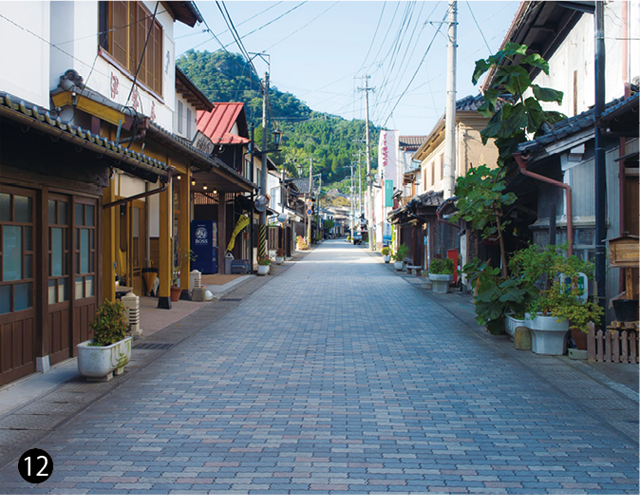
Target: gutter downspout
522, 163
144, 194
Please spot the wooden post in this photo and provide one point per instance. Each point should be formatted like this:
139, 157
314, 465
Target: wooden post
628, 282
184, 230
616, 347
625, 347
591, 341
165, 264
222, 231
600, 353
109, 244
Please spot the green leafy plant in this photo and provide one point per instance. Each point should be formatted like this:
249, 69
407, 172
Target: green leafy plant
401, 253
495, 296
328, 224
264, 261
386, 251
109, 325
441, 266
514, 117
556, 278
179, 258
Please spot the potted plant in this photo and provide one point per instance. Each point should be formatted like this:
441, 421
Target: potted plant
560, 304
441, 274
399, 256
280, 256
110, 349
386, 254
264, 265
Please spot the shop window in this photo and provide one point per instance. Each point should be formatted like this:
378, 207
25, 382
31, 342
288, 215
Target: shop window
124, 27
59, 252
16, 252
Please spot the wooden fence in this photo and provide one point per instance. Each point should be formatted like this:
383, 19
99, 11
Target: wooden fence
617, 346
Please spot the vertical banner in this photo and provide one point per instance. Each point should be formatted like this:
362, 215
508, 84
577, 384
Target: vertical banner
388, 192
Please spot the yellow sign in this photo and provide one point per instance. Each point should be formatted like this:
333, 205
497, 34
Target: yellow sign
243, 221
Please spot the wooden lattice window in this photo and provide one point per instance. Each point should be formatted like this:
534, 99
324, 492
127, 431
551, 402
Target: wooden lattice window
124, 27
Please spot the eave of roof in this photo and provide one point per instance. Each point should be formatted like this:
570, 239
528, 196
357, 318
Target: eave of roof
185, 12
186, 85
32, 116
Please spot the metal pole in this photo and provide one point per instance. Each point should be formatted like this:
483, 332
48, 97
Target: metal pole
309, 217
601, 176
262, 237
370, 227
450, 113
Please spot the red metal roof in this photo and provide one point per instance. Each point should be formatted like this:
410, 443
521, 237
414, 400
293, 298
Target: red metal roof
218, 123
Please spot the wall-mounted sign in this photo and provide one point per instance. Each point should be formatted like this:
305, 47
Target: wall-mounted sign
203, 143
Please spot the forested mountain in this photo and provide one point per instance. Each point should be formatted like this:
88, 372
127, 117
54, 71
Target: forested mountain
332, 142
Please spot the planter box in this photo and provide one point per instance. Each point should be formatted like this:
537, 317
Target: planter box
510, 325
98, 364
279, 260
263, 269
386, 258
548, 336
399, 265
440, 282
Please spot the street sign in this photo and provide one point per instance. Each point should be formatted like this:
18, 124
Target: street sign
309, 212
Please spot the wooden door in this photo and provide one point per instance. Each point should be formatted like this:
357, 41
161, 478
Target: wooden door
59, 278
138, 245
84, 268
17, 283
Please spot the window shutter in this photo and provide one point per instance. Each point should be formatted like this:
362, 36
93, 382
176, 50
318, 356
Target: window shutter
120, 34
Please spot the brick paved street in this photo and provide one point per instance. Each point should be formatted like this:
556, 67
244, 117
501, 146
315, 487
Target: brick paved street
338, 375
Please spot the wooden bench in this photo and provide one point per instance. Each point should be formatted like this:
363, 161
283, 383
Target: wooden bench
416, 268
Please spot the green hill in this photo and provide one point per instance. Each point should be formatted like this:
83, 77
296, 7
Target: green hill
331, 141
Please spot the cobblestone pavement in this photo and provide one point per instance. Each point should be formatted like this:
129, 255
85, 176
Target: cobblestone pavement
337, 376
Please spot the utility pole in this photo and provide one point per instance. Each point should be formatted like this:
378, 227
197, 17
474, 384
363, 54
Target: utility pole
600, 160
262, 237
309, 217
370, 227
450, 112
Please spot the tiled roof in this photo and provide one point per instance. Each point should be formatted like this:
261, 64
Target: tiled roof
218, 123
411, 142
43, 120
620, 106
568, 127
469, 103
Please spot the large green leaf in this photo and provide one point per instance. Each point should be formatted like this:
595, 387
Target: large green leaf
547, 94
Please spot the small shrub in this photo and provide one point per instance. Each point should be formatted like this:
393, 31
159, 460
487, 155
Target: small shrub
386, 251
401, 253
280, 253
441, 267
109, 325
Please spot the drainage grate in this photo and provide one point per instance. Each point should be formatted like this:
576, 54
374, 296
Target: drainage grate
154, 346
230, 300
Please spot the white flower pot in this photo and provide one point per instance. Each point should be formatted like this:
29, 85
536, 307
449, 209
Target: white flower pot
440, 282
100, 363
510, 325
399, 265
279, 260
548, 336
263, 269
386, 258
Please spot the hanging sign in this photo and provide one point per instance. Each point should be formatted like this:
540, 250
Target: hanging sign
388, 192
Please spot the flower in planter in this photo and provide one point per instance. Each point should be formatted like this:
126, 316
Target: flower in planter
264, 261
109, 325
280, 253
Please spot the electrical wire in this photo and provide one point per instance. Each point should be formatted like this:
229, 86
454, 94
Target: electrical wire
375, 33
479, 28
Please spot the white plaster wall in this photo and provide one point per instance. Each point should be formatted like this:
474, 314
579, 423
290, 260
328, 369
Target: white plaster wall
130, 186
194, 121
577, 53
75, 28
25, 55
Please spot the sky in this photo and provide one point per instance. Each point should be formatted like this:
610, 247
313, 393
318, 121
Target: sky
320, 52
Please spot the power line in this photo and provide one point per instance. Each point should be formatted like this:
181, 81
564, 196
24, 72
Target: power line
479, 28
384, 5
